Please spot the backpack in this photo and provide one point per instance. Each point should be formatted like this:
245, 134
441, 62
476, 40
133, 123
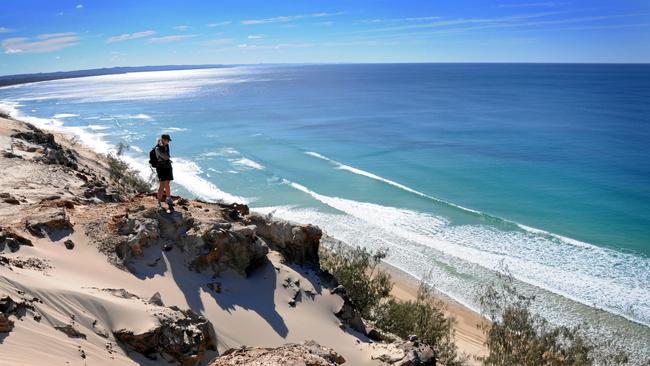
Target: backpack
153, 158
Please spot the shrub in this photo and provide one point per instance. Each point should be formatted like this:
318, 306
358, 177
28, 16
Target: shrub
424, 318
368, 288
356, 269
127, 179
518, 337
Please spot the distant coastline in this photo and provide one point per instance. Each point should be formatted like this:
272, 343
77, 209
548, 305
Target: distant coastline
9, 80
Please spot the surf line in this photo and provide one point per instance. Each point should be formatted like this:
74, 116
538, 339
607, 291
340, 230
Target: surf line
522, 227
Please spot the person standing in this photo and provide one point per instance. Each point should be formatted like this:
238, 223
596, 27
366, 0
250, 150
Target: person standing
164, 171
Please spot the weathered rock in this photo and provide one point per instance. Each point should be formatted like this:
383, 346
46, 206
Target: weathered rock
140, 232
12, 240
237, 248
8, 306
298, 243
156, 299
48, 221
308, 353
71, 331
349, 315
69, 244
184, 336
6, 325
405, 353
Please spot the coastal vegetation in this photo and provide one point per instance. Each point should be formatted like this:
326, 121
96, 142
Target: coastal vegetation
126, 179
517, 336
368, 288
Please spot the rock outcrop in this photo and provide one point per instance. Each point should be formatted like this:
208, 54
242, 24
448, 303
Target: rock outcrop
49, 221
308, 353
181, 335
12, 240
405, 353
297, 242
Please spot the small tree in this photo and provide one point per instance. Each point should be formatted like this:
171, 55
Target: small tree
356, 269
423, 317
518, 337
127, 179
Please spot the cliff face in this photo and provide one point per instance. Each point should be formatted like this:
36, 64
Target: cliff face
92, 273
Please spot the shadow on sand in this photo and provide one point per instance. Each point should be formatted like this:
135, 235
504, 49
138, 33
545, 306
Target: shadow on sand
255, 293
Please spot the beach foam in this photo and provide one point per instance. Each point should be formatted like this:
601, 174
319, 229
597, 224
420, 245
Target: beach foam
602, 278
248, 163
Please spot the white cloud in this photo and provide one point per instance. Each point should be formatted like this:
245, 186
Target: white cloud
4, 30
39, 44
255, 36
55, 35
173, 38
129, 36
218, 24
182, 28
287, 18
79, 6
278, 46
548, 4
399, 20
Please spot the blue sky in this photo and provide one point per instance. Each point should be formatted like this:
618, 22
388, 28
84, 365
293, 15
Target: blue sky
41, 36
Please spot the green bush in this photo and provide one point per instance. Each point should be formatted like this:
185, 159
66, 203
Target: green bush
368, 288
127, 179
518, 337
356, 269
424, 318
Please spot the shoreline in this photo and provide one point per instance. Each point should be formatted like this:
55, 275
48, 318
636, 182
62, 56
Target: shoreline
470, 338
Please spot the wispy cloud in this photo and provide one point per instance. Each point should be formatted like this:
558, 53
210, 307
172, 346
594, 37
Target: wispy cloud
547, 4
218, 24
129, 36
399, 20
258, 36
55, 35
512, 19
288, 18
182, 28
39, 44
79, 6
173, 38
278, 46
4, 30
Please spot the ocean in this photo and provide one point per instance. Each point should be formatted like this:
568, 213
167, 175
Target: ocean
459, 170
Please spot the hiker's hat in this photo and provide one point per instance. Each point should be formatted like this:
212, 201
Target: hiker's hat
166, 137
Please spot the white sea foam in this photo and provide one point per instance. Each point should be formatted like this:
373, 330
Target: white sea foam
187, 173
135, 116
173, 129
606, 279
65, 115
248, 163
97, 127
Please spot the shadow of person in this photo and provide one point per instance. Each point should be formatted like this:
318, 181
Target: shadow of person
254, 293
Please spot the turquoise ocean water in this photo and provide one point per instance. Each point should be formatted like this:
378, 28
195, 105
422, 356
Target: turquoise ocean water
458, 169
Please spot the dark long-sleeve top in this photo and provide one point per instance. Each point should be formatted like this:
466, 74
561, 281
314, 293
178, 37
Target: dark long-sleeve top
162, 153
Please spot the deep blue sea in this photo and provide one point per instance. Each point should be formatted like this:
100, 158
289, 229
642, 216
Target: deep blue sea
457, 169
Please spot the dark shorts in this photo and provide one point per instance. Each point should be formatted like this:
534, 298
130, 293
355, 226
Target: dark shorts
164, 173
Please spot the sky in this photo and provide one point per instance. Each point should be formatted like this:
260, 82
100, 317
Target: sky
47, 35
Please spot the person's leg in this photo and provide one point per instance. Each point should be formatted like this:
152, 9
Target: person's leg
166, 189
161, 191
